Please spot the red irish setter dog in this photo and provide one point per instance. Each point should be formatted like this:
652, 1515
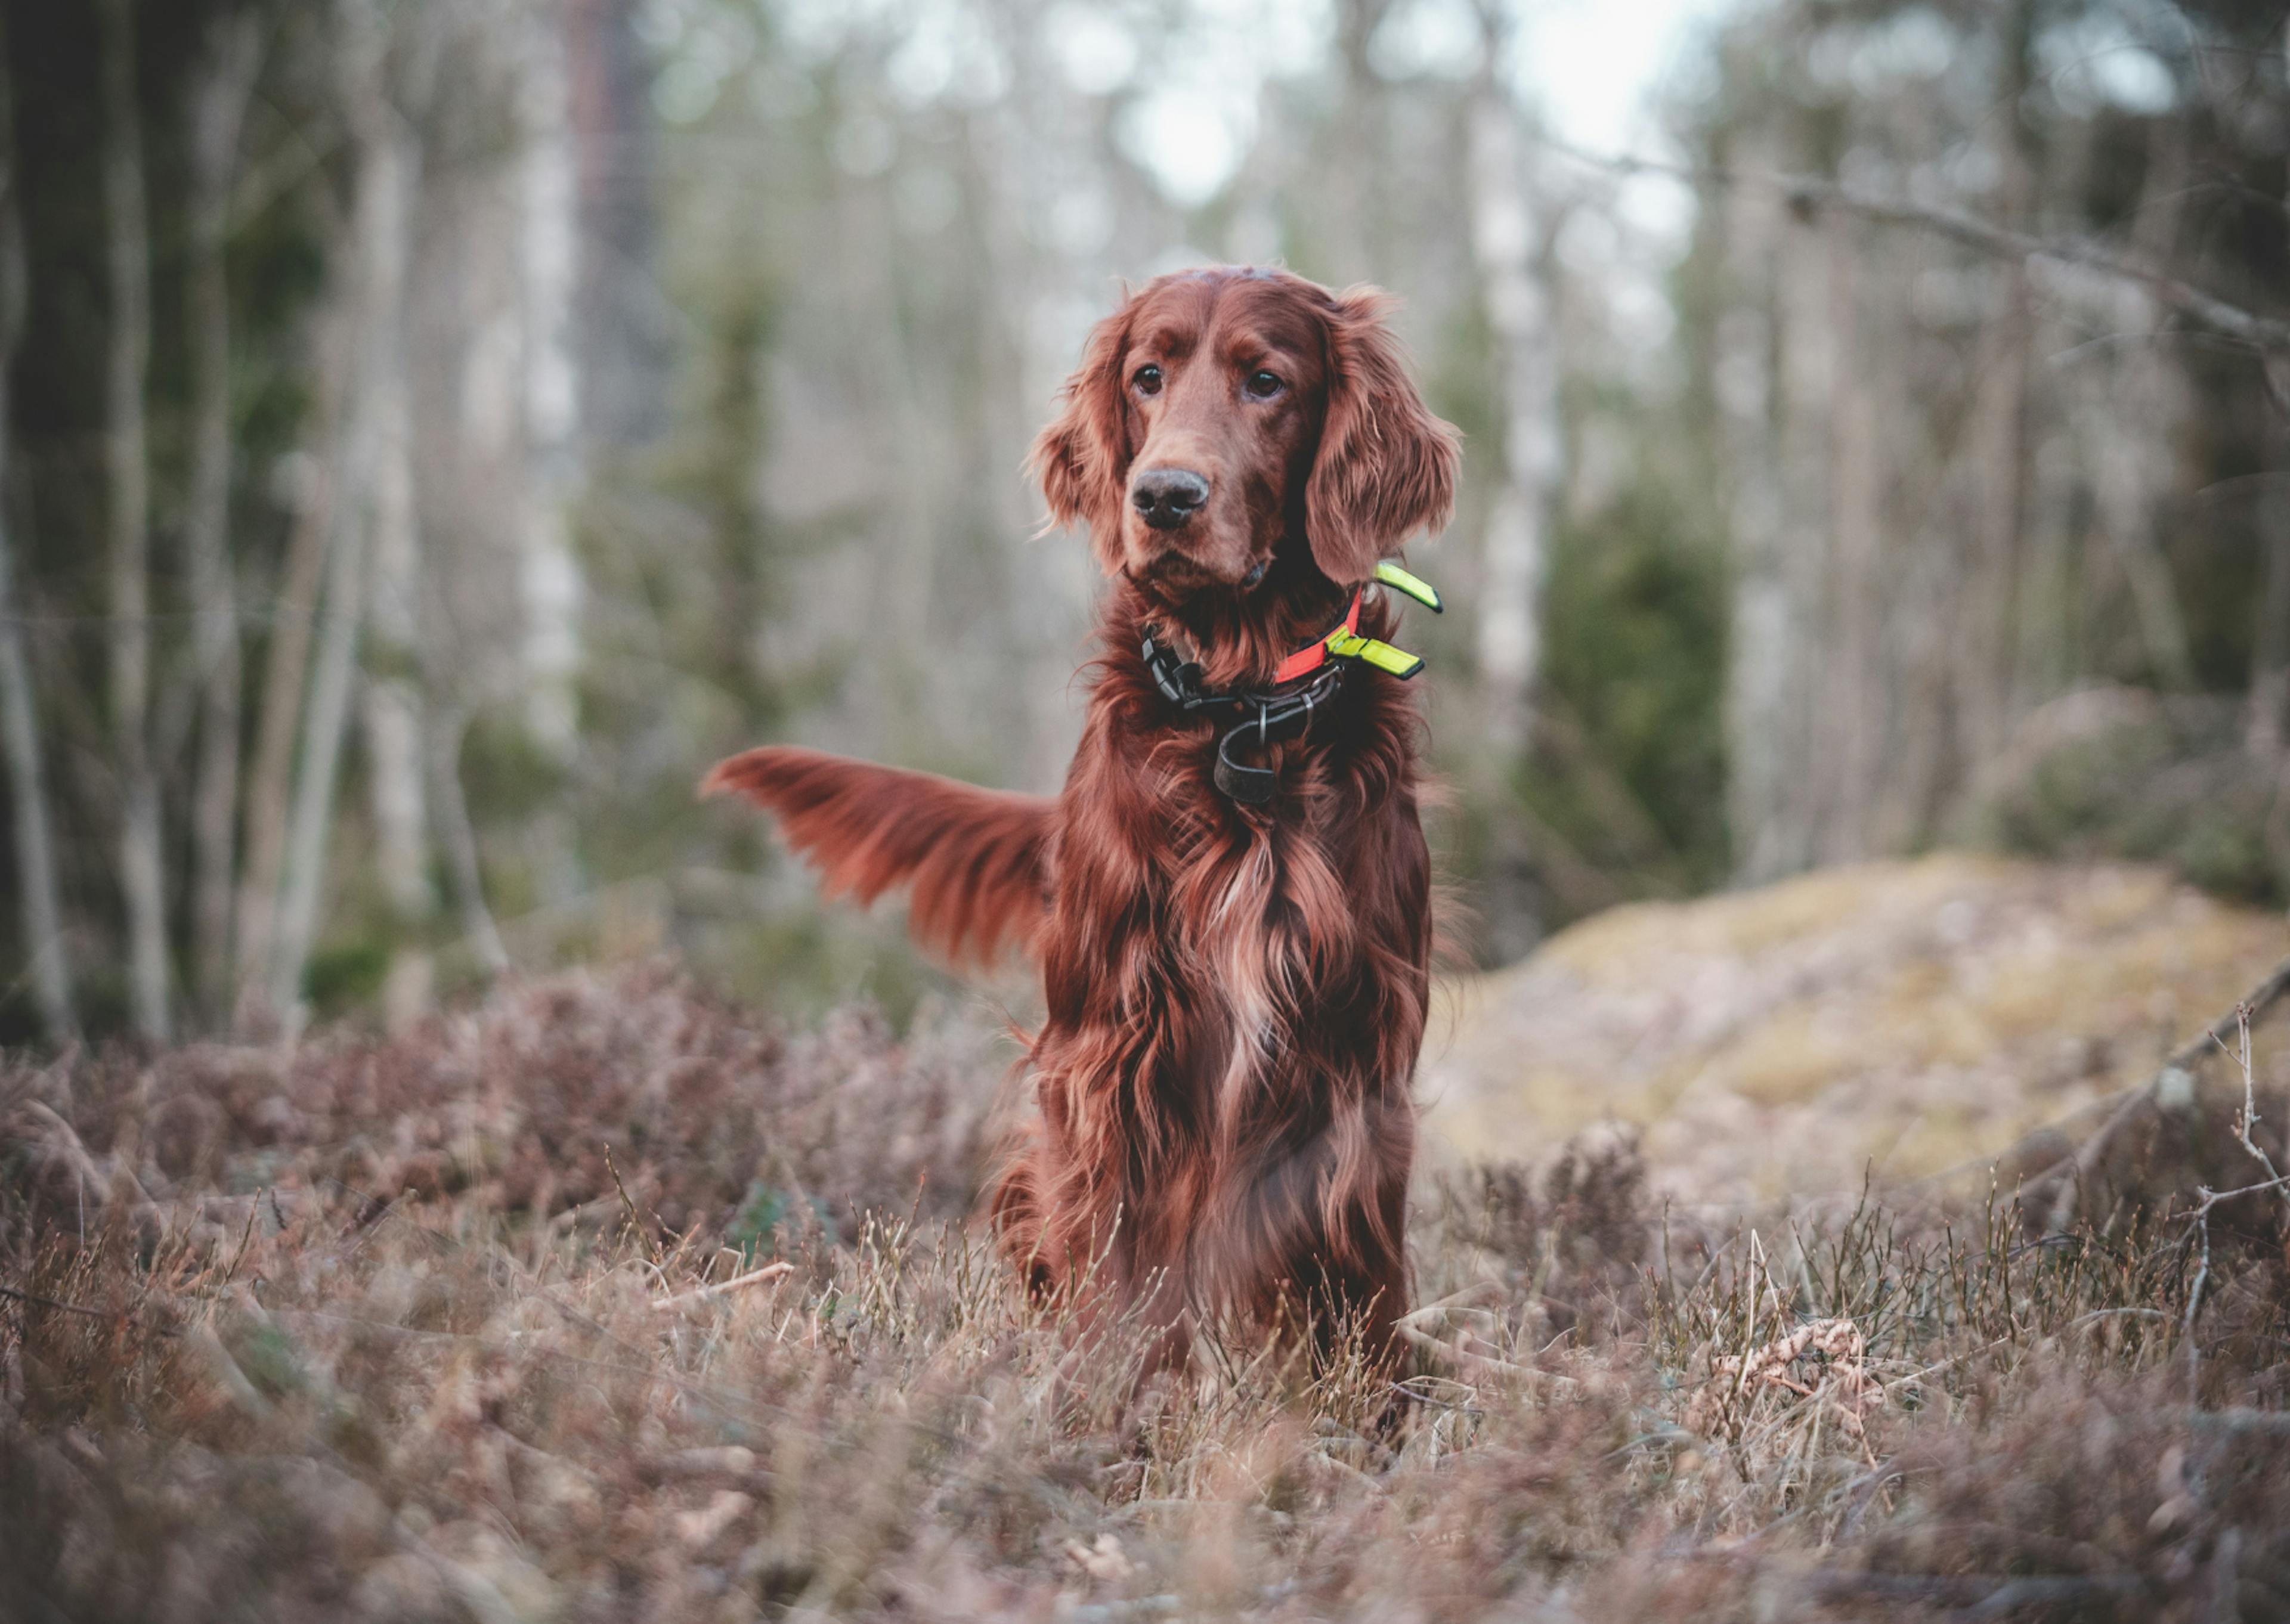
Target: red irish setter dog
1230, 901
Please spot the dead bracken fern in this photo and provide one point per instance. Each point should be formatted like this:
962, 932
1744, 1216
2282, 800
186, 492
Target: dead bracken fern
293, 1337
1843, 1381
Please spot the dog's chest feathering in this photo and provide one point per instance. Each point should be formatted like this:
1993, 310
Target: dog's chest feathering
1241, 950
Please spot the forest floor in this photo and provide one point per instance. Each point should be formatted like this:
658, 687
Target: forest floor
607, 1299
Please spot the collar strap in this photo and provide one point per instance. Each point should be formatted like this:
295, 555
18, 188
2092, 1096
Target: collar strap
1312, 656
1253, 720
1343, 641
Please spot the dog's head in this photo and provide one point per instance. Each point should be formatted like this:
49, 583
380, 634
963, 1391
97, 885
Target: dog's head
1230, 426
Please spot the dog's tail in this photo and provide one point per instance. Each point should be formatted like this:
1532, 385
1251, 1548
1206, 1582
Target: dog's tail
973, 857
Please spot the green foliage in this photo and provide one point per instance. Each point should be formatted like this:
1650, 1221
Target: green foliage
1622, 795
769, 1216
346, 974
1630, 763
505, 770
2127, 775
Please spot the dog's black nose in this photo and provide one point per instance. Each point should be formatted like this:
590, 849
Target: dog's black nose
1165, 498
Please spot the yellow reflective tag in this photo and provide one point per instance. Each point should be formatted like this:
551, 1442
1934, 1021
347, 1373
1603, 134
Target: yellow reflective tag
1382, 656
1399, 580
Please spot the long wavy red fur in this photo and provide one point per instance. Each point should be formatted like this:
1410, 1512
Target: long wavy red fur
1234, 994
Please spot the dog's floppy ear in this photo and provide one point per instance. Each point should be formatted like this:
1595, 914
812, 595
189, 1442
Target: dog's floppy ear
1082, 459
1386, 467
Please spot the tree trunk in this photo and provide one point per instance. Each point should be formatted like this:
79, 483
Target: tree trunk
218, 110
2126, 433
270, 785
2130, 428
1354, 237
142, 877
458, 837
388, 155
2269, 728
1987, 674
1782, 533
42, 917
1761, 646
1850, 715
2269, 676
396, 720
1515, 552
396, 654
50, 966
549, 575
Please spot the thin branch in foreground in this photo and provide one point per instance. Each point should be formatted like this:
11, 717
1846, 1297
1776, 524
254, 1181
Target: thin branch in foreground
651, 1245
2249, 1117
2202, 1214
2071, 1171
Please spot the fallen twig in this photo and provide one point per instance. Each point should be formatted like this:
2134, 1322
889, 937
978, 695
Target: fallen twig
770, 1271
2238, 1418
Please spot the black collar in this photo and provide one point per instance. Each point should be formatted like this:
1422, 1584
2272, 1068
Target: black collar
1256, 717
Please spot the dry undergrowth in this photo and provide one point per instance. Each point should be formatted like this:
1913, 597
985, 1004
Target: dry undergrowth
605, 1303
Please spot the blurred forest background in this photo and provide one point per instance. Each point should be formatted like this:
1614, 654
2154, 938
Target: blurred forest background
436, 430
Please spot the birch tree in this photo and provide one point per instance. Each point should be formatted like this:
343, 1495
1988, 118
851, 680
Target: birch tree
387, 163
550, 265
1987, 670
218, 110
270, 779
394, 705
2269, 728
1762, 674
1354, 246
2267, 731
40, 912
411, 608
1855, 752
141, 875
1507, 244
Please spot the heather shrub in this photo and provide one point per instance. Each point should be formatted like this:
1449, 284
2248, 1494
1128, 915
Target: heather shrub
375, 1331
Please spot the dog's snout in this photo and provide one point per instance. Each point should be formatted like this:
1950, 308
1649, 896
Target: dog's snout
1165, 498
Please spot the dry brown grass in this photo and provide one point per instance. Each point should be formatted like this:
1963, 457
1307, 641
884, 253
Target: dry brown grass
373, 1333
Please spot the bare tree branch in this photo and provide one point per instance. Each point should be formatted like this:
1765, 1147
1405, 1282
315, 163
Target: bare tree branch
2269, 335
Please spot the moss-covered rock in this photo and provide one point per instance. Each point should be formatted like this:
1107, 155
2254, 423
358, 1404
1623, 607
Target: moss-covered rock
1898, 1017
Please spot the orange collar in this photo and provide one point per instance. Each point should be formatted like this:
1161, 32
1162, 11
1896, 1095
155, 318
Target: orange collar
1313, 655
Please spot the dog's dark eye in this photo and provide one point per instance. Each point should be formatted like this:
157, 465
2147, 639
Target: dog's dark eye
1147, 381
1263, 385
